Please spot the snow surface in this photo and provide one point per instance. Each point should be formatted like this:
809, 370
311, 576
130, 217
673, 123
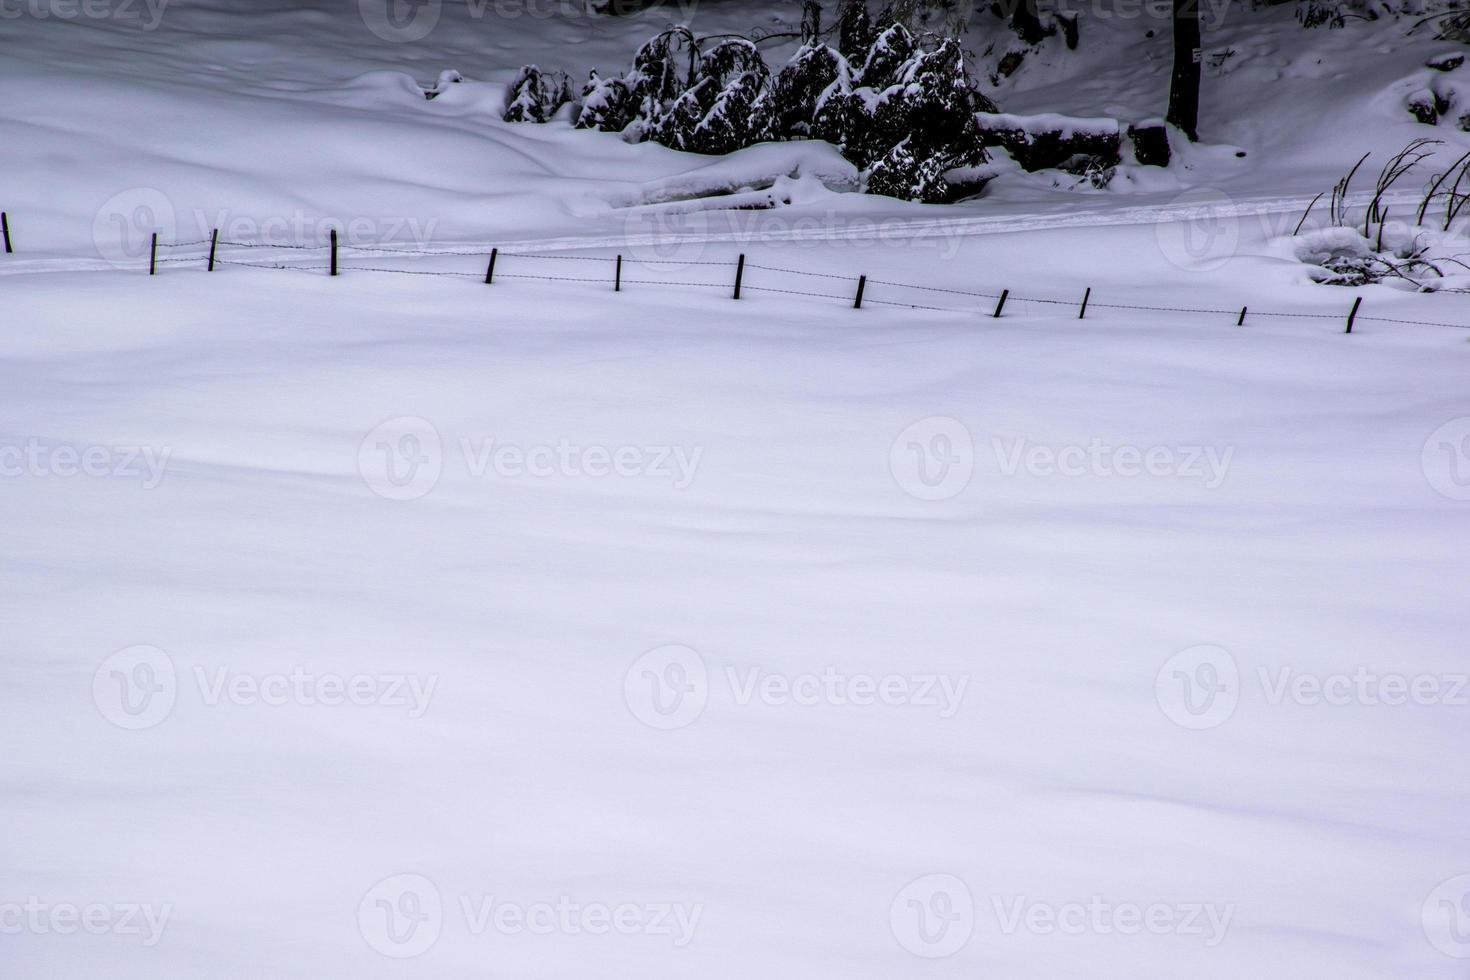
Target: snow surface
297, 485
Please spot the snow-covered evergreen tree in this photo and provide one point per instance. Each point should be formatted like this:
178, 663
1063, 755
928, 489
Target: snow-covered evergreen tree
535, 95
608, 104
741, 116
890, 51
800, 83
675, 127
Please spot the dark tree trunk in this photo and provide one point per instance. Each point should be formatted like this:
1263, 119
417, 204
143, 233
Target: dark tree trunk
1184, 86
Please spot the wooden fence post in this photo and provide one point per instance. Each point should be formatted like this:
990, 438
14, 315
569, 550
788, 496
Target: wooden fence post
1241, 321
1002, 304
1354, 314
153, 255
334, 251
739, 274
213, 244
618, 276
1085, 297
857, 304
490, 269
5, 226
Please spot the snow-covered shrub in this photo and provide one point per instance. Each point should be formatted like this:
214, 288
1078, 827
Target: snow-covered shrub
800, 83
730, 59
663, 68
855, 31
447, 78
608, 104
1344, 257
535, 96
906, 119
741, 116
1051, 141
1441, 95
675, 127
1356, 248
890, 52
910, 132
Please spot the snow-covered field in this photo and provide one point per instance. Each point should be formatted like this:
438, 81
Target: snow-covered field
403, 626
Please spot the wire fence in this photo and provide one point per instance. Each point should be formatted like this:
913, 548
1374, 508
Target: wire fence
741, 276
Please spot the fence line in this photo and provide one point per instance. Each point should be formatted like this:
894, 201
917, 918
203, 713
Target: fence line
617, 280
